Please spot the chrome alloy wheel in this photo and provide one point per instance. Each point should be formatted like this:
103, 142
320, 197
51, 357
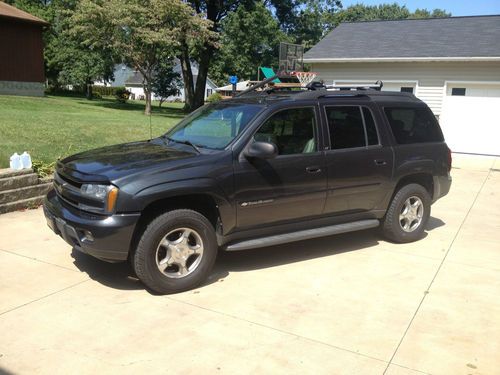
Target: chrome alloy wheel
179, 253
411, 214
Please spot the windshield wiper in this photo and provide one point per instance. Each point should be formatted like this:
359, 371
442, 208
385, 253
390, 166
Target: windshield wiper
185, 142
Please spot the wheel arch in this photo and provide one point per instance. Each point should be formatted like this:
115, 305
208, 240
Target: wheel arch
424, 179
200, 195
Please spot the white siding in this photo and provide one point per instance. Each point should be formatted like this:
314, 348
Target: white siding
430, 76
433, 96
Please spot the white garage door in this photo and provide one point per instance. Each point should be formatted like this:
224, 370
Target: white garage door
470, 118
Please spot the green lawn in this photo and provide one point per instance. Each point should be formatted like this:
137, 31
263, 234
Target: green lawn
56, 126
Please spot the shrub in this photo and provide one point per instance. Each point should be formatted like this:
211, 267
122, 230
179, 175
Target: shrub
106, 90
122, 95
43, 169
215, 97
61, 91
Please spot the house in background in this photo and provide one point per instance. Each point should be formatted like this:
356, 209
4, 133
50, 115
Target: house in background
132, 81
452, 64
21, 52
227, 91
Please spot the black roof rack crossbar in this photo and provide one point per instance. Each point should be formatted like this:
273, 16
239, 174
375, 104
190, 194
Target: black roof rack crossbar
350, 95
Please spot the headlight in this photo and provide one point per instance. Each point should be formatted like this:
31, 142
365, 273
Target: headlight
106, 194
95, 191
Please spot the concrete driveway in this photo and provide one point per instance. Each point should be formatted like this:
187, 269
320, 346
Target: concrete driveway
351, 304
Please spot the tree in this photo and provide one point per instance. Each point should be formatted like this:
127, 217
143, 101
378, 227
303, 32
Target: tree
309, 21
76, 64
79, 67
285, 11
361, 12
241, 51
436, 13
141, 32
166, 82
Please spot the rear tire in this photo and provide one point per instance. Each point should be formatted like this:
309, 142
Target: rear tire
176, 252
408, 214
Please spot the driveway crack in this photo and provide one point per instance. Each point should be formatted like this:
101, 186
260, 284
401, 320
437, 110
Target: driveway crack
437, 271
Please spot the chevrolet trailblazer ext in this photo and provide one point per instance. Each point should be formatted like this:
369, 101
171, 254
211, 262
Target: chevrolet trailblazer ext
258, 170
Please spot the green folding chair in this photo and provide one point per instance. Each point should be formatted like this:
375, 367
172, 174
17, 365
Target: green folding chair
269, 73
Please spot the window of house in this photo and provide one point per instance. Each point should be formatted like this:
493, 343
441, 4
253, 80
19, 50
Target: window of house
347, 128
458, 91
413, 125
209, 92
291, 130
407, 89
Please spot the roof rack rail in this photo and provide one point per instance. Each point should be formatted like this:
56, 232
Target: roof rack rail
378, 86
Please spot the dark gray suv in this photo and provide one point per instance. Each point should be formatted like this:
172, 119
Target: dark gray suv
265, 168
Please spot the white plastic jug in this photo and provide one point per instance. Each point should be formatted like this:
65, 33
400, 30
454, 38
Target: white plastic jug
26, 160
15, 161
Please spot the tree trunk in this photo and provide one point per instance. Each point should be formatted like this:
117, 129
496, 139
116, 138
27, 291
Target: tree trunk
88, 90
147, 92
201, 81
187, 76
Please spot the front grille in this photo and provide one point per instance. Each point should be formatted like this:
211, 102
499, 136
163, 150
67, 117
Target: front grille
69, 191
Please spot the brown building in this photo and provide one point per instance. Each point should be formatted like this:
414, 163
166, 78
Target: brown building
21, 52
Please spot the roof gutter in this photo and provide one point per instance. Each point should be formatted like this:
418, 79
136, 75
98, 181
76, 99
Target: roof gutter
398, 59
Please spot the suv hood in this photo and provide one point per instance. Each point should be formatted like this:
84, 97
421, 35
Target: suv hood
112, 162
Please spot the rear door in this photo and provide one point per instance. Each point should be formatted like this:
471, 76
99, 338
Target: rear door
359, 160
291, 186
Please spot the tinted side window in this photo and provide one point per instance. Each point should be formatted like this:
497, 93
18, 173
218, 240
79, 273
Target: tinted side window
413, 125
292, 130
346, 127
371, 130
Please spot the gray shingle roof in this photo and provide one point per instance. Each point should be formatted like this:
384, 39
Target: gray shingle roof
454, 37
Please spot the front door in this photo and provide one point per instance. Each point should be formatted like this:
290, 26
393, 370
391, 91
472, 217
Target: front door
289, 187
359, 164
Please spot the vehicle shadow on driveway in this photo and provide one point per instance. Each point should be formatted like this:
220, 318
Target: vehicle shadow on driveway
115, 275
278, 255
121, 276
238, 261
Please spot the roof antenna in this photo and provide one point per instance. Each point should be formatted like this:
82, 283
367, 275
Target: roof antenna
150, 127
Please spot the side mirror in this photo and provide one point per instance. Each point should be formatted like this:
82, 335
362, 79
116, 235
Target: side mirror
262, 150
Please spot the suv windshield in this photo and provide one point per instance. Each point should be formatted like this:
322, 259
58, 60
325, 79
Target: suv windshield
214, 125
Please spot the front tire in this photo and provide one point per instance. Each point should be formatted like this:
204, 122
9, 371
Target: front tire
176, 252
408, 214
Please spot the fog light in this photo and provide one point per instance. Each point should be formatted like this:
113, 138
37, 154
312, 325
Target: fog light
87, 236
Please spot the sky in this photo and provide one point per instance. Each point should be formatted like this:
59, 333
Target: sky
456, 7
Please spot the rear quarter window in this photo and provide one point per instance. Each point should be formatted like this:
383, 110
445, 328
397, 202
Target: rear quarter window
413, 125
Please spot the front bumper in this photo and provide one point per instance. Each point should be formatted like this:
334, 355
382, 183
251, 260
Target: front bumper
110, 238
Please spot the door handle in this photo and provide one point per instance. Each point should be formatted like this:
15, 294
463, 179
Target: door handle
380, 162
313, 169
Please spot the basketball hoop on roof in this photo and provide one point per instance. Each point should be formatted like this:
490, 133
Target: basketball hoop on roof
304, 77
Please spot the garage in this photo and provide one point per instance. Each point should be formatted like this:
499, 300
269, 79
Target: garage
452, 64
470, 117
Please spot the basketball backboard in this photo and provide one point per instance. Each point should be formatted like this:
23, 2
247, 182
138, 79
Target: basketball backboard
291, 58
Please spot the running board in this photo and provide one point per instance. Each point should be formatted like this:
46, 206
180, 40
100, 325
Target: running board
303, 235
